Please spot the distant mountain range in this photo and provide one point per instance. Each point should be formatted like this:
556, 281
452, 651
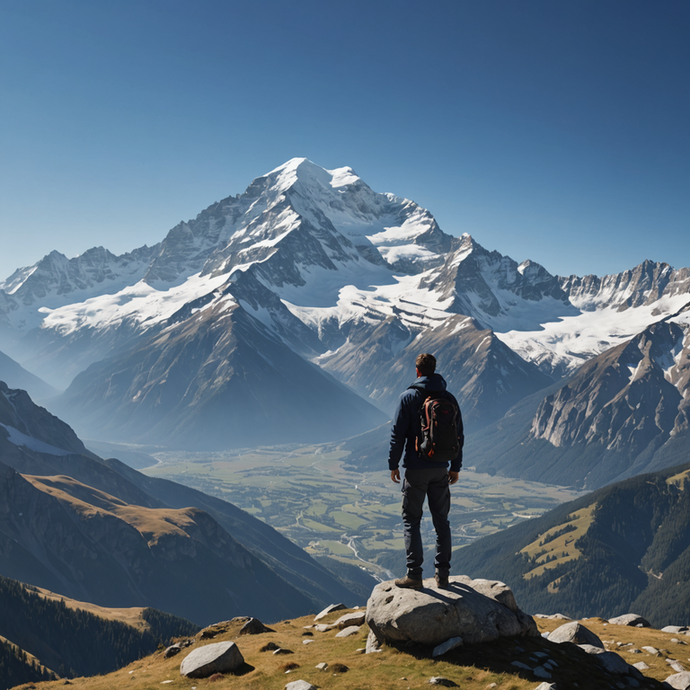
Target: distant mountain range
100, 531
293, 312
624, 548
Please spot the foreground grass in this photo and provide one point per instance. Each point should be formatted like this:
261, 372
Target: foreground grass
475, 667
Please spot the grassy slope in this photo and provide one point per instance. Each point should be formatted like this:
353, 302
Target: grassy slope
472, 668
65, 634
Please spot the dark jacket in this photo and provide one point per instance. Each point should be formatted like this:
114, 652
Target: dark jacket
407, 426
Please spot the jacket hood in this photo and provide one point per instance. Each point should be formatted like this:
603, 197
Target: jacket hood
433, 384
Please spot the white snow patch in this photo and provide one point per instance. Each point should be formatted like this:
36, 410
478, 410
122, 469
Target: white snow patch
406, 252
342, 177
140, 303
574, 338
20, 439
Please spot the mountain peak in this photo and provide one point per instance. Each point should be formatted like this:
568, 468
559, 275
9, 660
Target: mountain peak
305, 171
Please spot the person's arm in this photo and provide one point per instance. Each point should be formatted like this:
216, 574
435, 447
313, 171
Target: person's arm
398, 434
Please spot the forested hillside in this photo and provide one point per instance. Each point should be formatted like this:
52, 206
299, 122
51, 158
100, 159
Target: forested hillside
623, 548
17, 667
73, 642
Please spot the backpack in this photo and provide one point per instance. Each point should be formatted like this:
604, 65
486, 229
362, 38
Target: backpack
439, 438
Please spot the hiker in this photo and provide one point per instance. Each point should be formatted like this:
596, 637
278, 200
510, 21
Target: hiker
426, 461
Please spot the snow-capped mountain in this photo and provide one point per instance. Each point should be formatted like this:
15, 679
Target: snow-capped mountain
624, 412
309, 268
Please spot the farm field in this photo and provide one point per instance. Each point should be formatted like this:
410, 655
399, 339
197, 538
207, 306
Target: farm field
311, 496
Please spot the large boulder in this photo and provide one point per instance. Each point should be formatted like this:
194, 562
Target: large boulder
475, 610
220, 657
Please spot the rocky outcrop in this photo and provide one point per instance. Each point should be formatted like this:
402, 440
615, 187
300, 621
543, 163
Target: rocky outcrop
220, 657
475, 610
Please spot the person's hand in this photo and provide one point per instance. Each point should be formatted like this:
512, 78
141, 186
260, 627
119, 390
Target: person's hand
453, 477
395, 476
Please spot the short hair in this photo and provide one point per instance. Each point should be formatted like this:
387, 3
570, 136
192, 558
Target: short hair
426, 364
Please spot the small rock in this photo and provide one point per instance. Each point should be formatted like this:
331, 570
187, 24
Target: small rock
322, 627
300, 685
675, 629
630, 619
679, 681
447, 646
613, 663
269, 647
347, 632
221, 657
280, 651
519, 664
322, 666
307, 641
440, 680
574, 632
553, 616
545, 686
634, 650
172, 650
640, 666
356, 618
651, 650
327, 610
254, 627
675, 665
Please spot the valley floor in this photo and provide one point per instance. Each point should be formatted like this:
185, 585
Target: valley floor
312, 496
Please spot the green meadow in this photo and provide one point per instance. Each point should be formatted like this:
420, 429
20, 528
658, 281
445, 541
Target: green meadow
308, 494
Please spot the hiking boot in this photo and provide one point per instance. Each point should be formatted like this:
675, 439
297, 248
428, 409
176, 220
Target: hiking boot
408, 582
442, 580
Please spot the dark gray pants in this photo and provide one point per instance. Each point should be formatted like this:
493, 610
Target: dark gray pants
417, 485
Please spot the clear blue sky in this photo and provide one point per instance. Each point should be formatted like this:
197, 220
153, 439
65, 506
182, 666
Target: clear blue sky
552, 130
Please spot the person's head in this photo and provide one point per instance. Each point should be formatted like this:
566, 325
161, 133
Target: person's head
426, 364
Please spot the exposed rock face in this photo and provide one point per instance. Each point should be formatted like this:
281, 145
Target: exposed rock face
475, 610
642, 285
221, 657
624, 412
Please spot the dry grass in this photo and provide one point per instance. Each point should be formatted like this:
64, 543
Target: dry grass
549, 552
128, 616
151, 523
679, 479
473, 667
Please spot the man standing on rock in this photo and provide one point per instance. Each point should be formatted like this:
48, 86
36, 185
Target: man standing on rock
428, 425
